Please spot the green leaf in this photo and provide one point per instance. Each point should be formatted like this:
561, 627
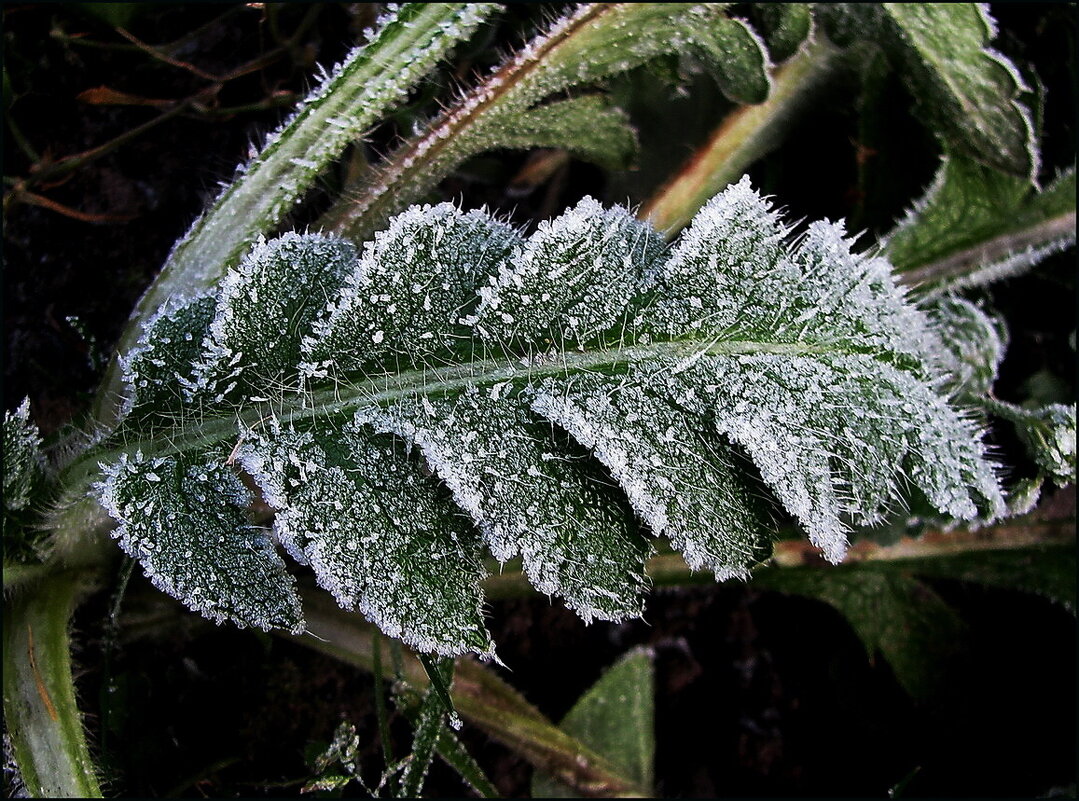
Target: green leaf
615, 718
892, 613
1048, 432
734, 54
975, 343
966, 92
413, 274
589, 127
185, 522
262, 309
976, 224
784, 26
155, 368
557, 386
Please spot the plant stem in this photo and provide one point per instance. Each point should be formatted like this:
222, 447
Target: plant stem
949, 273
458, 133
481, 698
670, 569
39, 696
744, 136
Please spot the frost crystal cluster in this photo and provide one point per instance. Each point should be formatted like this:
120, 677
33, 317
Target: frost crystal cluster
454, 389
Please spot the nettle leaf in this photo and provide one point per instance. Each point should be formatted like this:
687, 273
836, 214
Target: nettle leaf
976, 224
409, 289
569, 396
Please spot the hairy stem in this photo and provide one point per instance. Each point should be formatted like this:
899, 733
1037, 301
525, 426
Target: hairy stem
39, 697
951, 272
743, 137
424, 160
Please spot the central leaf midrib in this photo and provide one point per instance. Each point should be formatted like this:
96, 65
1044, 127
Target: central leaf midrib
341, 400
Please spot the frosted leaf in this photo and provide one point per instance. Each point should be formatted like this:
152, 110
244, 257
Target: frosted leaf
1048, 432
165, 352
589, 127
380, 537
783, 26
530, 496
499, 358
264, 308
974, 344
840, 437
24, 466
573, 279
732, 50
965, 88
407, 293
732, 276
676, 472
186, 525
966, 92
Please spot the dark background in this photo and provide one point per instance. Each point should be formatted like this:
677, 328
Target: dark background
758, 694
